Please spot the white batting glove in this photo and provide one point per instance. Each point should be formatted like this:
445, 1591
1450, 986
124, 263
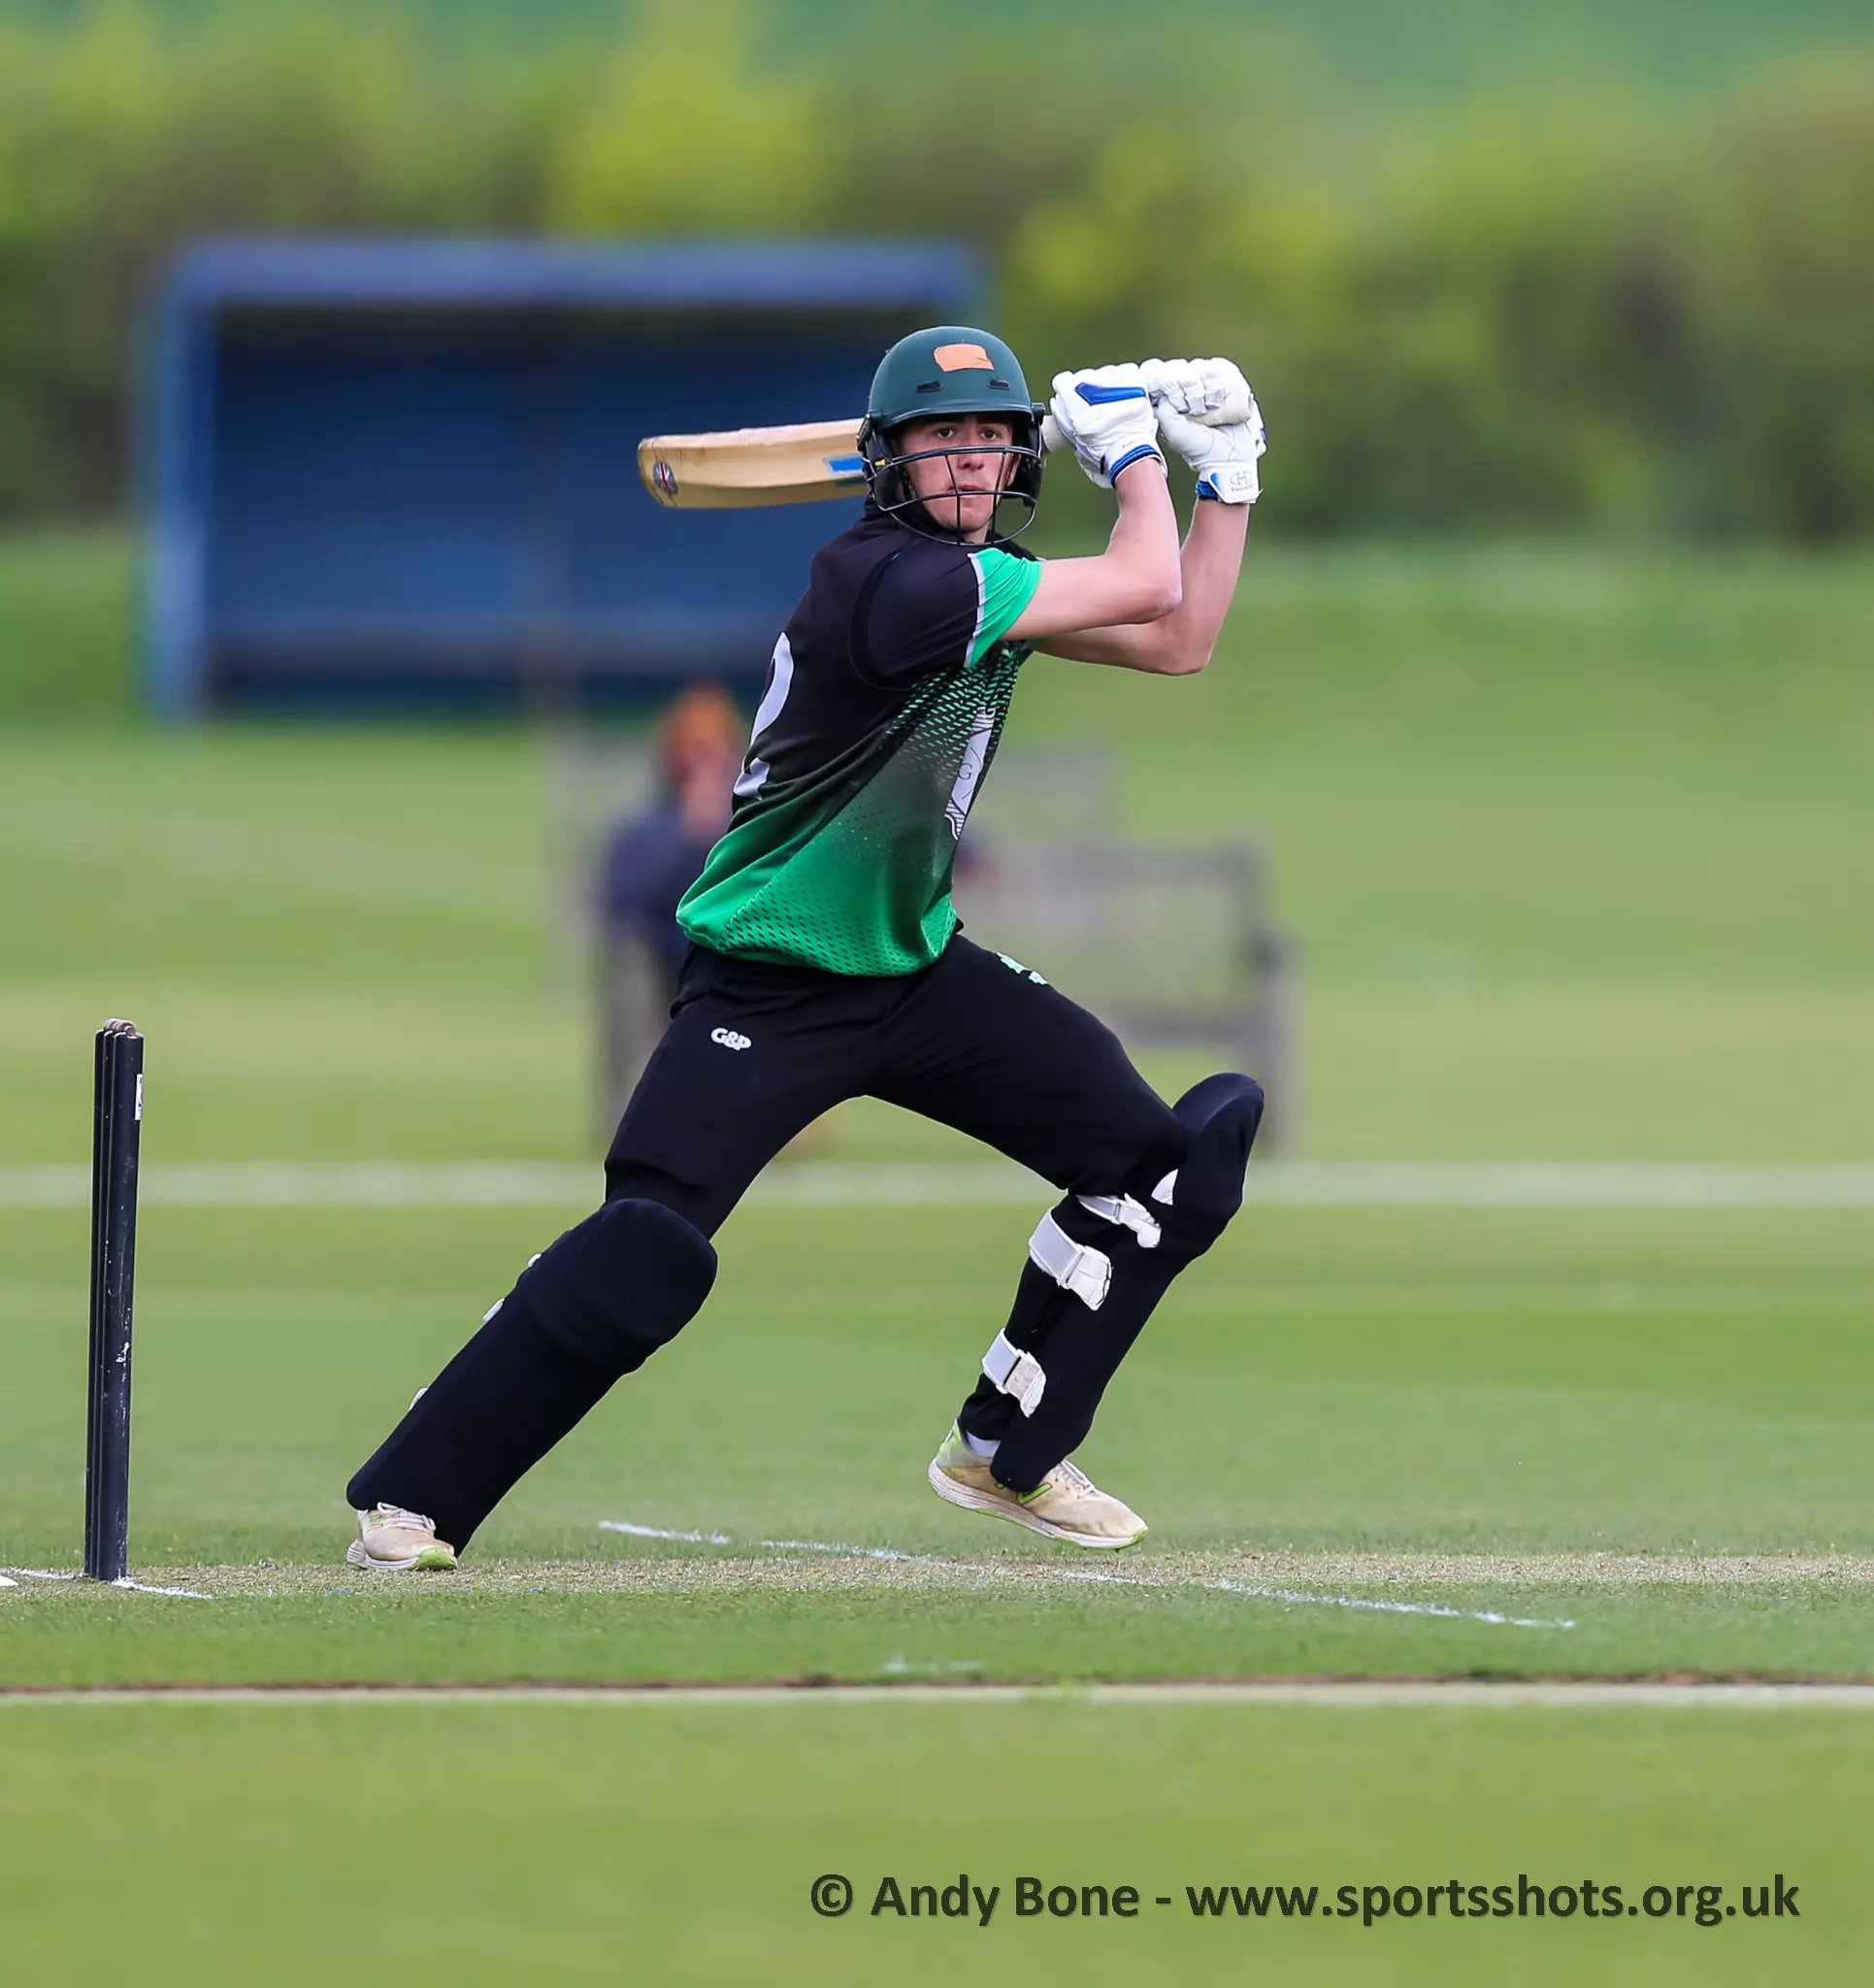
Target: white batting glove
1212, 391
1109, 416
1194, 394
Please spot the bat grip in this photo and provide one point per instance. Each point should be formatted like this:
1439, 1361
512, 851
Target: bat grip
1053, 441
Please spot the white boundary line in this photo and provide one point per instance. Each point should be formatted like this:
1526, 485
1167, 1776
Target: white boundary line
985, 1183
1338, 1694
1294, 1597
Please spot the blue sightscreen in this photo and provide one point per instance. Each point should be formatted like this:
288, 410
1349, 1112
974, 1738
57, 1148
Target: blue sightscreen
397, 475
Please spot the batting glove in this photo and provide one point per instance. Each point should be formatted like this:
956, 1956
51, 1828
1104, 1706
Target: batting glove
1107, 415
1207, 414
1212, 391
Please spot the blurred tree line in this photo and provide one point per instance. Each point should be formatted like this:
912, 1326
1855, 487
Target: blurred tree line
1598, 316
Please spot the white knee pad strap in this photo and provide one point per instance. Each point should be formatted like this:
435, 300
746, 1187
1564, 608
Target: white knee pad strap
1076, 1266
1128, 1213
1016, 1374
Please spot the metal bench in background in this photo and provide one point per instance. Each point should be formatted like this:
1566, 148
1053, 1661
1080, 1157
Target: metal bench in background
1174, 945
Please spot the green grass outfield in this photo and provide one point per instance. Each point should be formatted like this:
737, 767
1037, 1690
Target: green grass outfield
1577, 849
669, 1841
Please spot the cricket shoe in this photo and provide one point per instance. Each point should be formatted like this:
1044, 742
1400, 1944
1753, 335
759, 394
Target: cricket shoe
1067, 1504
393, 1540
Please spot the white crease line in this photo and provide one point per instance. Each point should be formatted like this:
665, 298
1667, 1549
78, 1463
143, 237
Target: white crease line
1338, 1693
136, 1586
1303, 1597
1296, 1597
986, 1183
619, 1525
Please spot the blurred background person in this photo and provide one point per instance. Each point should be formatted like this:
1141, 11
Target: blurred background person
649, 861
652, 857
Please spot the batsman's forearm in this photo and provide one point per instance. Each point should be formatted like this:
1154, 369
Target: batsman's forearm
1145, 533
1132, 586
1211, 560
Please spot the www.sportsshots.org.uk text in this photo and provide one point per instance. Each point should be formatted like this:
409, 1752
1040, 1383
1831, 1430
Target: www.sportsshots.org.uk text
834, 1895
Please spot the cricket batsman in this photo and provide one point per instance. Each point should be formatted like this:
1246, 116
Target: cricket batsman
826, 961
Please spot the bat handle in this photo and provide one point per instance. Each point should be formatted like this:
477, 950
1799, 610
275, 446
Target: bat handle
1053, 441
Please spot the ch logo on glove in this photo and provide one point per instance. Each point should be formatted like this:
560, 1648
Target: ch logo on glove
1207, 413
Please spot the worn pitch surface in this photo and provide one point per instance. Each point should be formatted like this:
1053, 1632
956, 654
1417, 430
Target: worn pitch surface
1370, 1443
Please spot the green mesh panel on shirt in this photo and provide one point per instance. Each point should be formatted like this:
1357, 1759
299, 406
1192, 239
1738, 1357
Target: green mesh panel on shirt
851, 873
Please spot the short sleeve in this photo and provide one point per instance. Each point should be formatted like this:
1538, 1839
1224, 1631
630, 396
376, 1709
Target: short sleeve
938, 607
1008, 584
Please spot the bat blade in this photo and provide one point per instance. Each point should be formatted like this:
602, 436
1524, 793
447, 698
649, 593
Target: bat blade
739, 468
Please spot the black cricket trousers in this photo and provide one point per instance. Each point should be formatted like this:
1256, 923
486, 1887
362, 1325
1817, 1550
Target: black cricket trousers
754, 1053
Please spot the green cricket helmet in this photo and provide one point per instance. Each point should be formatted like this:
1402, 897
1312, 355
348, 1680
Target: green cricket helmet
949, 369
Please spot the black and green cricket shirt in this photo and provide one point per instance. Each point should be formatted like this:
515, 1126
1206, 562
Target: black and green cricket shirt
884, 703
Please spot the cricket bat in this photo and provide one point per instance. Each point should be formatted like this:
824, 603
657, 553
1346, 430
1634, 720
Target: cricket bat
740, 468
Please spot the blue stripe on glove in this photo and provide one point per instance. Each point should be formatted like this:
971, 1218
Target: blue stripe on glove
1140, 454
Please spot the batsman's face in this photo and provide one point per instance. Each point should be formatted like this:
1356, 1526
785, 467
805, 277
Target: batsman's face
961, 465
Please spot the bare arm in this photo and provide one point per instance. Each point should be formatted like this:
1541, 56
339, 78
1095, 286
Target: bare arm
1178, 643
1136, 579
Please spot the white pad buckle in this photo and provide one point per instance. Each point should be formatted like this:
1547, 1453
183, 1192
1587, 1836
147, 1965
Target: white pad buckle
1076, 1266
1126, 1214
1016, 1373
